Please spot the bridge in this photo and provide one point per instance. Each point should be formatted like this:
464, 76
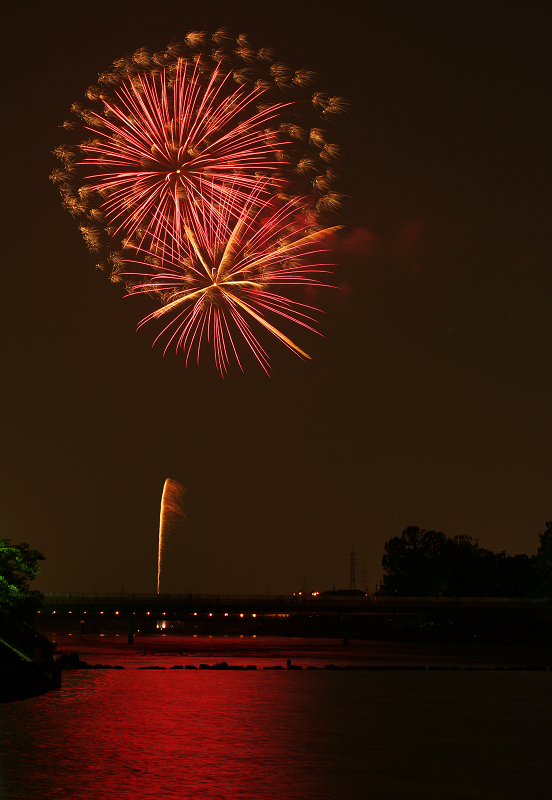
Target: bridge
277, 604
295, 615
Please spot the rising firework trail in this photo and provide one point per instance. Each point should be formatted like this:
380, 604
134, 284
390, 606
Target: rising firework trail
171, 520
226, 277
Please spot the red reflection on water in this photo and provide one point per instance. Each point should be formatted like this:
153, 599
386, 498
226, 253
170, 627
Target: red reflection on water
297, 735
159, 735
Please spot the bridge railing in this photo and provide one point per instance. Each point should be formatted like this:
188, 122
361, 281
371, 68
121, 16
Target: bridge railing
320, 601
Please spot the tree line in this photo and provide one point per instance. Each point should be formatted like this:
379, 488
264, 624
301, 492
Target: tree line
418, 563
422, 563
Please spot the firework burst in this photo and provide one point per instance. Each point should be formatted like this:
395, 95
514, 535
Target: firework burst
165, 143
226, 277
162, 128
206, 172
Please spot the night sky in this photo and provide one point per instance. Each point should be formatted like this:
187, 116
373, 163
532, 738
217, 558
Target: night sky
428, 402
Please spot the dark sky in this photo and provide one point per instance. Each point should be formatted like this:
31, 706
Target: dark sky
428, 402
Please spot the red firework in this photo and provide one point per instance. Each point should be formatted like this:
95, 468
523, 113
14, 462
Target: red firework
163, 143
223, 276
220, 193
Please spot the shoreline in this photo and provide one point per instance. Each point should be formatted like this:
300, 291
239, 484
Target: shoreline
169, 650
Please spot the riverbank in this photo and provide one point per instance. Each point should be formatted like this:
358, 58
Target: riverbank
20, 680
168, 650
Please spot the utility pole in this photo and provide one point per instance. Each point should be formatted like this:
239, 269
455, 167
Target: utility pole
352, 572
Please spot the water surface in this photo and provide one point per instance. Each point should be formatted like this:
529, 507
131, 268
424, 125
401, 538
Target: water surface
112, 735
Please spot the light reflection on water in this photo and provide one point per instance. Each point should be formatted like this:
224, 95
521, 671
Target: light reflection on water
293, 735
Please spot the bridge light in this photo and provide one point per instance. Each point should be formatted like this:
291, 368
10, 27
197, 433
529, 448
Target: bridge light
254, 615
53, 612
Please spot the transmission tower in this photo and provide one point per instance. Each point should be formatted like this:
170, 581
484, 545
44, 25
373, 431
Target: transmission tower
352, 573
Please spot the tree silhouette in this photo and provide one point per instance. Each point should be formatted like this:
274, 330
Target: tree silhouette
543, 563
427, 564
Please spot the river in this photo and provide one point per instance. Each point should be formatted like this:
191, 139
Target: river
298, 735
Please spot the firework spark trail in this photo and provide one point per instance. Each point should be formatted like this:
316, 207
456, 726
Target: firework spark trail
205, 283
171, 519
158, 113
219, 192
167, 146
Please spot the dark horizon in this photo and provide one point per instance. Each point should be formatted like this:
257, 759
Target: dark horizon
426, 404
